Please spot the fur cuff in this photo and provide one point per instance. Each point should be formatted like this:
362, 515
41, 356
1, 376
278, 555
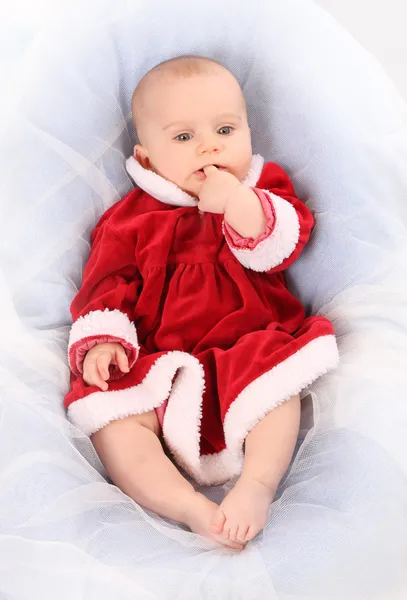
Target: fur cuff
97, 327
278, 245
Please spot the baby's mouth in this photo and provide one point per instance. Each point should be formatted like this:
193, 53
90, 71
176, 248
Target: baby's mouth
201, 172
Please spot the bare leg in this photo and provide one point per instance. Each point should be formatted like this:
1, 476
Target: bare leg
132, 455
268, 450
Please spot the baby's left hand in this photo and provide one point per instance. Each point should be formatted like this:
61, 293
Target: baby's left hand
216, 190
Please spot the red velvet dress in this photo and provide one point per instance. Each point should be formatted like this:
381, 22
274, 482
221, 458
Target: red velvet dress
214, 339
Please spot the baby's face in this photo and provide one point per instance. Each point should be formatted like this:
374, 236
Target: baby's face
193, 122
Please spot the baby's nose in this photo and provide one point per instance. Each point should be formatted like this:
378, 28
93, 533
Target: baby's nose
210, 145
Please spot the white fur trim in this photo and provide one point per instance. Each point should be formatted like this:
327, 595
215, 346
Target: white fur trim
262, 395
104, 323
278, 246
168, 192
255, 170
182, 420
93, 412
285, 380
158, 187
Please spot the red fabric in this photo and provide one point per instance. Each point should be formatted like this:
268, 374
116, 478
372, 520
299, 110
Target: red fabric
170, 270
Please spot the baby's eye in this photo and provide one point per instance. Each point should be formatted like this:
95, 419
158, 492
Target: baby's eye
226, 127
181, 135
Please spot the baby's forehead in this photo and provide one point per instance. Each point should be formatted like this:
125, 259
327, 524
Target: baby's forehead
156, 84
155, 80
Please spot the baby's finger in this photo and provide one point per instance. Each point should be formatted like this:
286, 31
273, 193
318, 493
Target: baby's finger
92, 377
121, 360
102, 362
210, 169
100, 381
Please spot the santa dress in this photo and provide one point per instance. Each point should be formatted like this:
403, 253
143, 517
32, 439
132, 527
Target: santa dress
214, 338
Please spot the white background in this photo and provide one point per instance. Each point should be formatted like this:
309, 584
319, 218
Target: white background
380, 25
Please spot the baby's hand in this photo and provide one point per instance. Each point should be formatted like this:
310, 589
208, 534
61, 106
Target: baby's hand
97, 362
216, 190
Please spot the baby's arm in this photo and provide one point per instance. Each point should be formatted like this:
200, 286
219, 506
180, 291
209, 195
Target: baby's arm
103, 312
286, 226
245, 213
223, 193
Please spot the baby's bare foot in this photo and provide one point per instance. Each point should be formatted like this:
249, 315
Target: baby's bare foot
201, 512
243, 512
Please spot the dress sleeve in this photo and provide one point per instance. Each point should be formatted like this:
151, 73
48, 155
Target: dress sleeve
288, 227
103, 308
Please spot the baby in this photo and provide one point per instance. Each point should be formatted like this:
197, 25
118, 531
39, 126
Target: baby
186, 342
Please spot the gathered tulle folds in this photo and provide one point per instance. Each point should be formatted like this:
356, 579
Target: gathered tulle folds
321, 107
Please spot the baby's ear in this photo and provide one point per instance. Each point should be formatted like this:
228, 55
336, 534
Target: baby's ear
140, 154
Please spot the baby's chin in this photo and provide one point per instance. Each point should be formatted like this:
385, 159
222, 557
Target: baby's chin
191, 186
194, 192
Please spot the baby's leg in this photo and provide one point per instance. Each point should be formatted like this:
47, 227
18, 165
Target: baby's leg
268, 450
134, 459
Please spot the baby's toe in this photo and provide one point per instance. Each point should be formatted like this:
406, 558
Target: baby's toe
241, 533
218, 521
251, 533
231, 532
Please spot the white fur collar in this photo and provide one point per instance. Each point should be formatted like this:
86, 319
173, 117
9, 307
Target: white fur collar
168, 192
